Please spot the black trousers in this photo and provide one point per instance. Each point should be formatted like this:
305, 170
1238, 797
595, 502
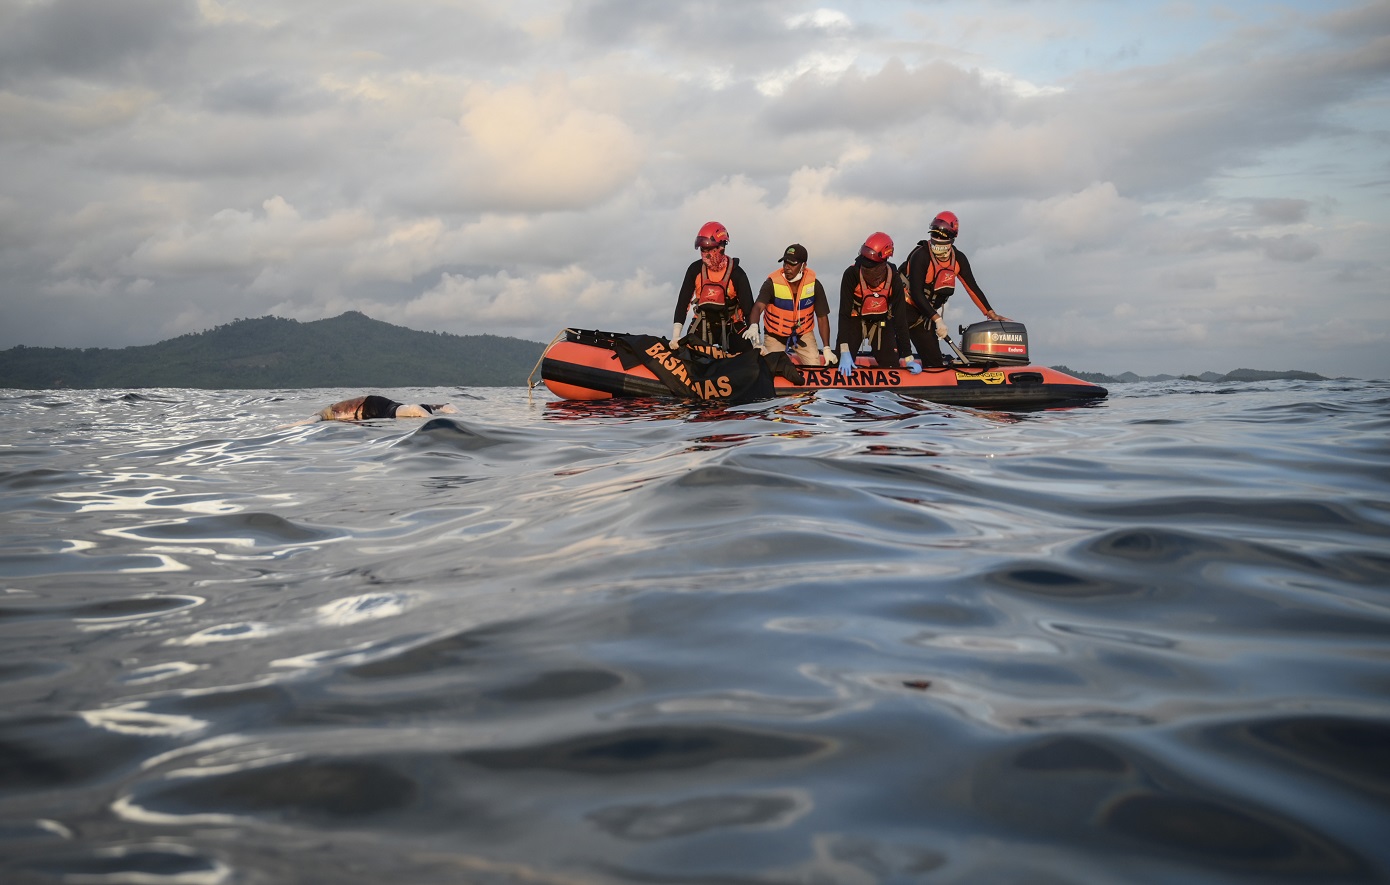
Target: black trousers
723, 331
880, 339
923, 335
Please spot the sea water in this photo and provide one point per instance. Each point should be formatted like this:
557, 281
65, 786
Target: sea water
845, 637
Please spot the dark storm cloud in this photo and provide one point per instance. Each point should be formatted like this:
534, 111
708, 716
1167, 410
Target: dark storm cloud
1185, 121
1291, 248
712, 27
476, 36
225, 147
89, 38
1373, 18
1155, 130
1281, 211
264, 93
889, 98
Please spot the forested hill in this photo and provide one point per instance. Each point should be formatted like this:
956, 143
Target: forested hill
352, 350
1237, 375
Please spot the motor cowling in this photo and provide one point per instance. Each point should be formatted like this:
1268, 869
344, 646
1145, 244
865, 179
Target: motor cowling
1005, 343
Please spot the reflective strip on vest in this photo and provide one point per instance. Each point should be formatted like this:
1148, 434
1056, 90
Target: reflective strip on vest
791, 312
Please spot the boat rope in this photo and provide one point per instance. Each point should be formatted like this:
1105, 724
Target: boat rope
531, 384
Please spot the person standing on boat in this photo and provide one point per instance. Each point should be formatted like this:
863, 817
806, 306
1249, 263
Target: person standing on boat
873, 307
790, 304
932, 270
716, 289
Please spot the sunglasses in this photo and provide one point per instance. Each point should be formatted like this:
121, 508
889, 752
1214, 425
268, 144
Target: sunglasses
940, 237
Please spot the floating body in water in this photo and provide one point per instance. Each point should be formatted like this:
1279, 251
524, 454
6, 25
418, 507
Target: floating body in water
371, 406
365, 408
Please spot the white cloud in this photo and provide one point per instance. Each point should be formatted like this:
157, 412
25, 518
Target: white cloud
515, 169
245, 241
1017, 86
506, 303
820, 20
817, 64
1091, 218
533, 146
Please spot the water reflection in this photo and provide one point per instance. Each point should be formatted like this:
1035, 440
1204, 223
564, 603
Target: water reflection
689, 817
842, 637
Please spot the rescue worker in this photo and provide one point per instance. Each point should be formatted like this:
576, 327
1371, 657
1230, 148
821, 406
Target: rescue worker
872, 306
790, 303
932, 270
716, 290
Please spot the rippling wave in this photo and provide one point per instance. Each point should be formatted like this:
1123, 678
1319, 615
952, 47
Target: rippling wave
839, 638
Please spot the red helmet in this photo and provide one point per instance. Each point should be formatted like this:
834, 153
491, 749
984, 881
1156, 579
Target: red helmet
711, 235
947, 223
878, 247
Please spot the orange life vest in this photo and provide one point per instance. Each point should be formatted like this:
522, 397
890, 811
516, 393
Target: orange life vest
942, 274
871, 302
938, 276
715, 294
791, 312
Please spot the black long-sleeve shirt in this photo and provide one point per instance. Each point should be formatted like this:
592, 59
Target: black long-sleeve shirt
927, 302
742, 290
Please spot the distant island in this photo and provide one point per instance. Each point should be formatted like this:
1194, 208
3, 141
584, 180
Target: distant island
351, 350
1237, 375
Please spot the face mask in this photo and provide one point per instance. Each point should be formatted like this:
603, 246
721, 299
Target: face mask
875, 274
714, 259
941, 250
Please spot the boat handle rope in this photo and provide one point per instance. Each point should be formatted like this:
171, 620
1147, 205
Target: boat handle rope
530, 383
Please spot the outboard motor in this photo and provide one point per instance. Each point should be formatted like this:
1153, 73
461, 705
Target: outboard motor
1005, 343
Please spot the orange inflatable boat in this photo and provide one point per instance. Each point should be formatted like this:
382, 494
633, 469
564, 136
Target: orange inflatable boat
992, 372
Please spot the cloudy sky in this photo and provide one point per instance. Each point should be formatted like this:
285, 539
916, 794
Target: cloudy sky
1149, 186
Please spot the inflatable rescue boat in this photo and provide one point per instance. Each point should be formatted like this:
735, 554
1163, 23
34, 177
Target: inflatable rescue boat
991, 370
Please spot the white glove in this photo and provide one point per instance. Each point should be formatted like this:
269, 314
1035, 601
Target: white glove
676, 333
941, 326
827, 355
751, 334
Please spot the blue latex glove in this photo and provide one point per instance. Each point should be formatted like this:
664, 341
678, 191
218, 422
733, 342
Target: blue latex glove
847, 365
914, 367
